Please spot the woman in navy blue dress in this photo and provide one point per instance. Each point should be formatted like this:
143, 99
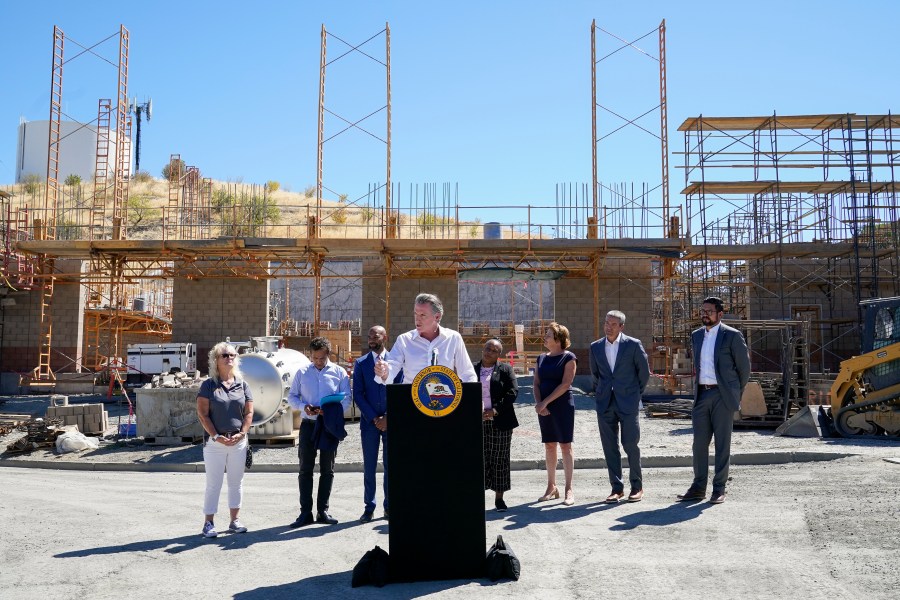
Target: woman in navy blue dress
556, 408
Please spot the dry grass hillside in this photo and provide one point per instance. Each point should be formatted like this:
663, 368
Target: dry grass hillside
233, 208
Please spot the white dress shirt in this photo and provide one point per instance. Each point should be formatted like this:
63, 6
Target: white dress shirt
707, 375
612, 351
412, 353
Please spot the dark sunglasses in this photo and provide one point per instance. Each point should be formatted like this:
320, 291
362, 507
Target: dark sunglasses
227, 355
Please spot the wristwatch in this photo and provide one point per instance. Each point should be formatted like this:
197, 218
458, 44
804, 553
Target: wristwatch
215, 437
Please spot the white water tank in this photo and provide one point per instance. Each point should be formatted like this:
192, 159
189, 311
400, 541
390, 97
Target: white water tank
269, 373
77, 151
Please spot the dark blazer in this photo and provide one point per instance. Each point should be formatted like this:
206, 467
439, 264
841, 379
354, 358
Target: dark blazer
504, 391
732, 361
627, 380
329, 430
370, 397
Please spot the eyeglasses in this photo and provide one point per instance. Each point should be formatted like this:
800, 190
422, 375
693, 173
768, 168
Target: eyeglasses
227, 355
708, 312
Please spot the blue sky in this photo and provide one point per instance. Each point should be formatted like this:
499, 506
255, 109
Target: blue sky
494, 96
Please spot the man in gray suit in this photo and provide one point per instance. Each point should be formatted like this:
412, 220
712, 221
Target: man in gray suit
722, 369
619, 372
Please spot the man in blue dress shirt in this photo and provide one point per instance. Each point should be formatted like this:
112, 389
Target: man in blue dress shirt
312, 383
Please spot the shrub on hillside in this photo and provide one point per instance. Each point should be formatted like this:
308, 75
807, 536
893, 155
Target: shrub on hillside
175, 169
32, 183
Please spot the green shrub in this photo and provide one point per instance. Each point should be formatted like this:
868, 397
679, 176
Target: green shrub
32, 183
143, 177
310, 191
141, 210
339, 216
173, 168
72, 180
272, 186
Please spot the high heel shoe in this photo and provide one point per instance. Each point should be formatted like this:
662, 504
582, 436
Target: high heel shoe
552, 495
570, 498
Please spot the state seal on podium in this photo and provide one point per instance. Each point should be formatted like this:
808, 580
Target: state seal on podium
436, 391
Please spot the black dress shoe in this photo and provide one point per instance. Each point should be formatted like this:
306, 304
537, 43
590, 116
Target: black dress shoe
692, 494
386, 515
500, 505
324, 517
367, 517
717, 497
303, 519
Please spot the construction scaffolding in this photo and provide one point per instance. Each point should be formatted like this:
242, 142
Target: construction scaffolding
791, 217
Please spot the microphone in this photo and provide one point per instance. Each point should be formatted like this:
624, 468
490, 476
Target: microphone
434, 355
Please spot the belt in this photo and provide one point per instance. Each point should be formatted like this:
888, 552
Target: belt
704, 387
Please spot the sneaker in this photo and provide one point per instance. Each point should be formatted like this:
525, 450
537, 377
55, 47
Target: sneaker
237, 527
209, 530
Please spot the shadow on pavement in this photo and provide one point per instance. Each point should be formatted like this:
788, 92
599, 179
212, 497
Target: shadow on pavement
660, 517
522, 515
227, 541
338, 585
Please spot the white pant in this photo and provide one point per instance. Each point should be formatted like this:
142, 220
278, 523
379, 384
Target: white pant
218, 460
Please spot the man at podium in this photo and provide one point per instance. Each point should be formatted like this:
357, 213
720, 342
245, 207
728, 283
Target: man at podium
426, 345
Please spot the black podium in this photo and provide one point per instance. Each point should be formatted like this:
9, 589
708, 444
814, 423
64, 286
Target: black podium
435, 489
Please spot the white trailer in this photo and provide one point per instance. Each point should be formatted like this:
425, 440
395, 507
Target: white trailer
147, 360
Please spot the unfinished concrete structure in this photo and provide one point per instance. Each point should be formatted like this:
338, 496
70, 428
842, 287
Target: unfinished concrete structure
791, 250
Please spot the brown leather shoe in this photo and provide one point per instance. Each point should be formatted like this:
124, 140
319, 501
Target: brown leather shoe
692, 494
636, 495
615, 496
717, 498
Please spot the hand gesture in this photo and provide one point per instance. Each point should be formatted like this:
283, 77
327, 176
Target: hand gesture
381, 369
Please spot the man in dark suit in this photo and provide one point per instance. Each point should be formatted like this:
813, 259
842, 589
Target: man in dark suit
722, 369
619, 372
371, 399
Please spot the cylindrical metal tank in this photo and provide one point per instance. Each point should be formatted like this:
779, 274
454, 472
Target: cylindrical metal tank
269, 375
492, 231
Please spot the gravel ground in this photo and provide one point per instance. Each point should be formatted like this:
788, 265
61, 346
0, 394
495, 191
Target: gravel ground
661, 439
799, 530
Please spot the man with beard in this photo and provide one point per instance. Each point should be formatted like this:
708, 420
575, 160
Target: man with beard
722, 369
371, 399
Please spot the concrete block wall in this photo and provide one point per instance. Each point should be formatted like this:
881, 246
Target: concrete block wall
206, 311
22, 324
403, 295
625, 286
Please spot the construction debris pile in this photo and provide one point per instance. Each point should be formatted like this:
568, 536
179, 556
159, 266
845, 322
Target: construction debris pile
39, 433
178, 379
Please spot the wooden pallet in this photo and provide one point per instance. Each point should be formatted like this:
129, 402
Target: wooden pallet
173, 441
10, 421
290, 439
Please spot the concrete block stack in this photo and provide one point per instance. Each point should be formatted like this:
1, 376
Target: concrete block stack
682, 363
91, 419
